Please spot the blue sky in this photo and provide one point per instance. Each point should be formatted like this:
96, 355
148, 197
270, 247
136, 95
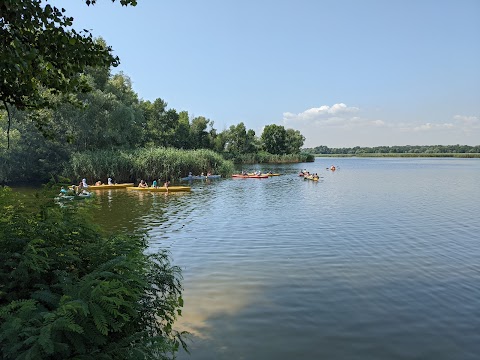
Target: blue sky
343, 73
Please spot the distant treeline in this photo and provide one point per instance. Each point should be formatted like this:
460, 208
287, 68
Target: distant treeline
419, 150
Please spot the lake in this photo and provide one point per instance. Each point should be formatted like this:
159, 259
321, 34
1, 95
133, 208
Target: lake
378, 260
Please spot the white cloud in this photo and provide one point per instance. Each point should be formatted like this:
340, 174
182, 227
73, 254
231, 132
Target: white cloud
469, 121
340, 125
321, 113
336, 116
432, 127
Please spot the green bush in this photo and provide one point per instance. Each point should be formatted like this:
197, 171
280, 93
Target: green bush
68, 291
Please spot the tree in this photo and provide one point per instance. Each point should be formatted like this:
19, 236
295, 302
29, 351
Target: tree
199, 134
274, 139
40, 54
181, 138
294, 141
239, 140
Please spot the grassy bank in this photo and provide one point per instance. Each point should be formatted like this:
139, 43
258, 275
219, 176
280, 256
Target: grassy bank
267, 158
148, 164
452, 155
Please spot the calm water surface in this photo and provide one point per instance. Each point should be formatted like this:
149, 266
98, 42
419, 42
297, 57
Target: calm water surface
378, 260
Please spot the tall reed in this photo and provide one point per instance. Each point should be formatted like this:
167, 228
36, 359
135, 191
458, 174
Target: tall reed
145, 163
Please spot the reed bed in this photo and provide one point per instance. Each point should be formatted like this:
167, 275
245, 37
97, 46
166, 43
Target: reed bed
146, 163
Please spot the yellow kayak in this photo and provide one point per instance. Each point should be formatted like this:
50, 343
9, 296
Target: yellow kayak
114, 186
161, 189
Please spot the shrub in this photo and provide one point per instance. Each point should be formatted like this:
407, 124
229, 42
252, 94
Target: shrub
68, 291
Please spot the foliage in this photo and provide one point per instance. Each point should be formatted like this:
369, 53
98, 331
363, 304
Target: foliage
415, 150
200, 137
61, 99
239, 141
274, 139
147, 164
294, 141
69, 292
42, 54
263, 157
32, 155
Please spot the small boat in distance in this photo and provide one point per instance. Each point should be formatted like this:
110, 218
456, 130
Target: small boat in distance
268, 174
241, 176
200, 177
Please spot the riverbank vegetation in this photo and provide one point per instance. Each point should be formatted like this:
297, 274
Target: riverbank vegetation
462, 151
113, 120
147, 164
68, 291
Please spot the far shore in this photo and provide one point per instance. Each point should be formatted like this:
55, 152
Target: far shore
450, 155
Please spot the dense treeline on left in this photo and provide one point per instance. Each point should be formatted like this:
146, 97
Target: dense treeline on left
68, 290
112, 117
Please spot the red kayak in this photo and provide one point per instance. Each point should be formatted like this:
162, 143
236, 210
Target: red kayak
250, 176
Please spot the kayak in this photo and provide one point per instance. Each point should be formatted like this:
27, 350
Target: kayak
314, 178
83, 196
200, 177
64, 198
268, 174
105, 186
250, 176
161, 189
73, 197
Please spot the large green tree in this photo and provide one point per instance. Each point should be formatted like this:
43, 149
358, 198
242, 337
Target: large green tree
239, 140
41, 54
294, 141
181, 138
199, 135
161, 124
274, 139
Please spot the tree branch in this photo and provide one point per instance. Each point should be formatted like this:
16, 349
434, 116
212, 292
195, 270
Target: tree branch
9, 123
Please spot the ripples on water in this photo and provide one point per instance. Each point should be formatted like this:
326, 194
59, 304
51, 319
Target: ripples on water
378, 260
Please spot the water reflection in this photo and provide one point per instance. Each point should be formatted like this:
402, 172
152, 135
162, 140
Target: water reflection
213, 296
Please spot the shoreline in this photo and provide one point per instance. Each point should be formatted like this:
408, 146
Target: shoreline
412, 155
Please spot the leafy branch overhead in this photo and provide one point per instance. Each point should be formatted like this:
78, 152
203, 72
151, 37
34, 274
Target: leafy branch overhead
41, 54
